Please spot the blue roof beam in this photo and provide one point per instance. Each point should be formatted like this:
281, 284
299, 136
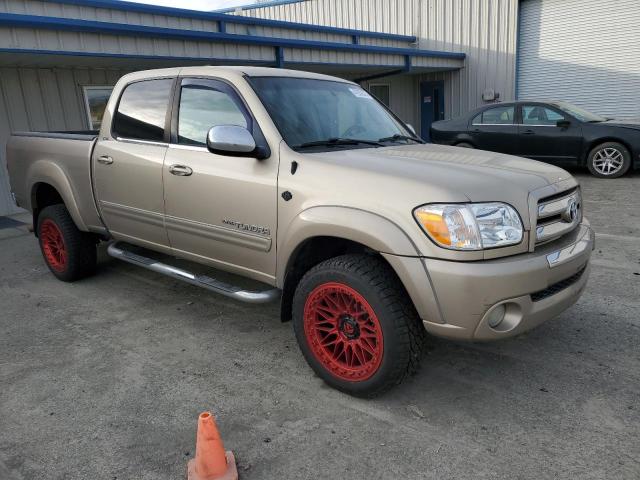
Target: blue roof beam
215, 16
91, 26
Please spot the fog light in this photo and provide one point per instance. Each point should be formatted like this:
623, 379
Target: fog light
496, 316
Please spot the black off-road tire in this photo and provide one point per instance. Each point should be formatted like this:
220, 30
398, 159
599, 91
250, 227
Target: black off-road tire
617, 150
403, 334
56, 229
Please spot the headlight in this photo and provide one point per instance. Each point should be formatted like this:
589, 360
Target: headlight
471, 226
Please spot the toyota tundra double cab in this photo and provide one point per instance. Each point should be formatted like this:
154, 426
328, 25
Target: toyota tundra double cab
314, 190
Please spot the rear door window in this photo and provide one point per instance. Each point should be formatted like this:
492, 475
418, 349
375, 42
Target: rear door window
142, 110
502, 115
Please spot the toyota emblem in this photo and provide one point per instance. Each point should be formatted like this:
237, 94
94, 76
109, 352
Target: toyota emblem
571, 213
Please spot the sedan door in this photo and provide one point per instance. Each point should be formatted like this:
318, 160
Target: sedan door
542, 138
494, 129
220, 209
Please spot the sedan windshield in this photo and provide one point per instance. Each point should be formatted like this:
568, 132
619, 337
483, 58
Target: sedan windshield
580, 113
323, 114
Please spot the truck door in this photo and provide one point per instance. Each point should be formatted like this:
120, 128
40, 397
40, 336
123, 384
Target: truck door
127, 165
220, 209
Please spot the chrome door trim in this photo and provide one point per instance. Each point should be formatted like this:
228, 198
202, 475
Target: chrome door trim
141, 142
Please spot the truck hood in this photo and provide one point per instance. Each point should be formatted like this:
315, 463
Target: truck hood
479, 175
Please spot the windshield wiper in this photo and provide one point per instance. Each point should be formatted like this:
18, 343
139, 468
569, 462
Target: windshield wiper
397, 136
331, 142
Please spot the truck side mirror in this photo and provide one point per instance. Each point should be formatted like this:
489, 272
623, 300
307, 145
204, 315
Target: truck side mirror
231, 140
564, 123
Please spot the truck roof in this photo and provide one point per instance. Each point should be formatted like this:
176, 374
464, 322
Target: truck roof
239, 70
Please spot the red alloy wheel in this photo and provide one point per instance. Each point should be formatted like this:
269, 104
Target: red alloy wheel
343, 332
53, 245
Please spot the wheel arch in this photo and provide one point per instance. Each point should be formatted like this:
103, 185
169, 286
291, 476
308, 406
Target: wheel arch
599, 141
50, 184
464, 138
320, 233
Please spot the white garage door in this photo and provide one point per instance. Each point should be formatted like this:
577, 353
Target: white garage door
583, 51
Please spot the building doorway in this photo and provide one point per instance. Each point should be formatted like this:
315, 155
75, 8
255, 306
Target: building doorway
431, 106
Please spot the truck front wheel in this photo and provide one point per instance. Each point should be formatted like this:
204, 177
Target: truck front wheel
356, 326
69, 253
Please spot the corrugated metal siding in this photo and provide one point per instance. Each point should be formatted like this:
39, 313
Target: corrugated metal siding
388, 16
582, 51
42, 99
403, 99
64, 41
53, 9
484, 29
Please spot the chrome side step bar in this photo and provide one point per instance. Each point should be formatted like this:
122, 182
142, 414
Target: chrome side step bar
265, 296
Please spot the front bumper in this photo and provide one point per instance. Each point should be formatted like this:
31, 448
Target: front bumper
533, 287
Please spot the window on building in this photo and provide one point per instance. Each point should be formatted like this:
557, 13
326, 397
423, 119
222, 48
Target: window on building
142, 110
206, 105
539, 115
382, 91
502, 115
95, 99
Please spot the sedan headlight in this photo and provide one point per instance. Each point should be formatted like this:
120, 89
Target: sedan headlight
470, 226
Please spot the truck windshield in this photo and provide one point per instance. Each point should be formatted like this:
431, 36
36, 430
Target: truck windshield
317, 115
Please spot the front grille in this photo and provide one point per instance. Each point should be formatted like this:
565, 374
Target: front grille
558, 215
557, 287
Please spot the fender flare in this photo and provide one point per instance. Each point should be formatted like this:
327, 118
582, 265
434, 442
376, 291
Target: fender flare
371, 230
361, 226
45, 171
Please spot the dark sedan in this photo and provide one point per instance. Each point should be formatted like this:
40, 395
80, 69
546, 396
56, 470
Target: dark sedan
554, 132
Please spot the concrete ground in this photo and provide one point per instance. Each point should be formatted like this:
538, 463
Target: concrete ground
104, 379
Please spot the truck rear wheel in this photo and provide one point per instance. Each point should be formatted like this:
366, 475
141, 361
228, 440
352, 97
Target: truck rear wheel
356, 326
69, 253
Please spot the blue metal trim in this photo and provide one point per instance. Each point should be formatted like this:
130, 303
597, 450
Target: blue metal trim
355, 39
222, 26
124, 56
215, 16
253, 6
222, 61
91, 26
518, 32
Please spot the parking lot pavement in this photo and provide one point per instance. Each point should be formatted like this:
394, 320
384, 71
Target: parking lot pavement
104, 378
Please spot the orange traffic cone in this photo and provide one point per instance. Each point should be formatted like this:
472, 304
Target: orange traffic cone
211, 461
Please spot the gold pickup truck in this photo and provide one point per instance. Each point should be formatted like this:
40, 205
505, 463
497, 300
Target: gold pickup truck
309, 186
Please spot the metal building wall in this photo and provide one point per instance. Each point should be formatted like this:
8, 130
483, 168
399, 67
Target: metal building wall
590, 44
114, 15
484, 29
43, 99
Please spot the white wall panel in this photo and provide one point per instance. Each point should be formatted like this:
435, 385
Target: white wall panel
582, 51
483, 29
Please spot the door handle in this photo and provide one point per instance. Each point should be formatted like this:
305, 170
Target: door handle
105, 160
180, 170
528, 132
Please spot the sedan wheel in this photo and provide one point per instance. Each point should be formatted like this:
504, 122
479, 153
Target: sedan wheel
609, 160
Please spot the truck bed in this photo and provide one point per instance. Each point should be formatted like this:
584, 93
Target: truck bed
61, 160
